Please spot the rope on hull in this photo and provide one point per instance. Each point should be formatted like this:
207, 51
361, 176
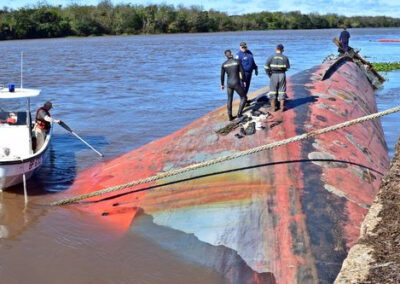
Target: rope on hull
228, 157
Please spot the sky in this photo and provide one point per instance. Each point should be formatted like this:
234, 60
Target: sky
343, 7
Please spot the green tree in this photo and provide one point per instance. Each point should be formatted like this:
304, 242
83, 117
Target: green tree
49, 21
128, 20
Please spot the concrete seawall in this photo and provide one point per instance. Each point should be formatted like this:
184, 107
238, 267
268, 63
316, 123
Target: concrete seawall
376, 256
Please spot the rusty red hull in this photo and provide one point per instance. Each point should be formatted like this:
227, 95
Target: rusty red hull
284, 216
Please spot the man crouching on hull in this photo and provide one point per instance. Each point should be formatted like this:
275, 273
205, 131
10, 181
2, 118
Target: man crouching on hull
235, 76
276, 67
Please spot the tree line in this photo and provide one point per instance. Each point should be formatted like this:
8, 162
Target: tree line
44, 21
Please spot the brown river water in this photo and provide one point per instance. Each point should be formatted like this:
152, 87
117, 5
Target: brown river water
120, 93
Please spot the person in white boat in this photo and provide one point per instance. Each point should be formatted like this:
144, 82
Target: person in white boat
11, 118
42, 126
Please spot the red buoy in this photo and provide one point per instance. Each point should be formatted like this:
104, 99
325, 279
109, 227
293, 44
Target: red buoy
388, 40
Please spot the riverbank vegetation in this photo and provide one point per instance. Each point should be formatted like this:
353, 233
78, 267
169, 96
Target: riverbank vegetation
44, 21
386, 66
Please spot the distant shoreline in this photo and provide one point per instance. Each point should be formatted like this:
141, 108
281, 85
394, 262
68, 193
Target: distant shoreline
175, 34
106, 19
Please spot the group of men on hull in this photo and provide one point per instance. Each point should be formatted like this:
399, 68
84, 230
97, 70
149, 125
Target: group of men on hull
240, 69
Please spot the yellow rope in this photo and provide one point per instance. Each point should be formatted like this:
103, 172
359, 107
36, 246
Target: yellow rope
229, 157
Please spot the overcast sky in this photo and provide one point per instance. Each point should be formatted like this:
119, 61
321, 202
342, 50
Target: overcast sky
342, 7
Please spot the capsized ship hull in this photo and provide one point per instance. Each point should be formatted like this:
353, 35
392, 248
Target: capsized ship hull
288, 215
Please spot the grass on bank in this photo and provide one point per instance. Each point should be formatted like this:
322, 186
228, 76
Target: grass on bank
386, 66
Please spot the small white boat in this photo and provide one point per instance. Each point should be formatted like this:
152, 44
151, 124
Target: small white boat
18, 158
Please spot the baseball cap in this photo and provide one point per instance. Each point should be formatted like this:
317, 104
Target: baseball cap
243, 44
48, 104
279, 46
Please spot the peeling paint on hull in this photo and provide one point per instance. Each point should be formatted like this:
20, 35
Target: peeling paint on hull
283, 216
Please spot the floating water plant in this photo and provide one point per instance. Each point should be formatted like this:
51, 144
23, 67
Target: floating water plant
386, 66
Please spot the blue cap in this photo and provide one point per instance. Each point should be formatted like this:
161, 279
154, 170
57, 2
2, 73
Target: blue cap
280, 47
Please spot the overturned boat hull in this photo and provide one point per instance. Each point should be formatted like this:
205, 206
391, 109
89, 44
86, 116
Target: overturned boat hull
288, 215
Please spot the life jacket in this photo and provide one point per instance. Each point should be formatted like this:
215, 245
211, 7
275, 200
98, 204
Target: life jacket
11, 120
40, 122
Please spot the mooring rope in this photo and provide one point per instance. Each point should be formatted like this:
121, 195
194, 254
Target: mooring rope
229, 157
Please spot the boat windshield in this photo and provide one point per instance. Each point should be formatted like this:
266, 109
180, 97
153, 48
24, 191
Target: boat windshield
13, 118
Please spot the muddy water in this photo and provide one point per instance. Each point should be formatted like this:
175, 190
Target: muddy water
66, 247
120, 93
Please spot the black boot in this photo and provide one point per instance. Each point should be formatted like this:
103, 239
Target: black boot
282, 105
273, 104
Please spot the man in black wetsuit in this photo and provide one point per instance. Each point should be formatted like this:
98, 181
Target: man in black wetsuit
235, 76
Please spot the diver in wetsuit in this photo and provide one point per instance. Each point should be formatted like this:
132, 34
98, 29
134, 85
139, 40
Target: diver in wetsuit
235, 76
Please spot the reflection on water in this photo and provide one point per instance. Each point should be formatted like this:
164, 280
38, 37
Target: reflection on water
389, 97
61, 167
119, 93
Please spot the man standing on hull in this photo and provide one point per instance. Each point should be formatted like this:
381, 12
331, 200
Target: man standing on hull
344, 39
246, 58
235, 77
276, 67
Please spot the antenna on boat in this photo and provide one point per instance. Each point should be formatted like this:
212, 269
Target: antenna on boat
22, 61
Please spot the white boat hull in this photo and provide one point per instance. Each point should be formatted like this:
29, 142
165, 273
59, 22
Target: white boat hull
17, 156
12, 174
12, 171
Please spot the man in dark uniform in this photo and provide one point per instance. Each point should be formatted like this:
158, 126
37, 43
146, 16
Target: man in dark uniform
344, 39
276, 67
246, 58
235, 77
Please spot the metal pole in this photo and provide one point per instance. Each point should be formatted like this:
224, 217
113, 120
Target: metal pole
25, 191
87, 144
22, 61
29, 107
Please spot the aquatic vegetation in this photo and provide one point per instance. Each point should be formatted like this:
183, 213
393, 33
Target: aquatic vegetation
386, 66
